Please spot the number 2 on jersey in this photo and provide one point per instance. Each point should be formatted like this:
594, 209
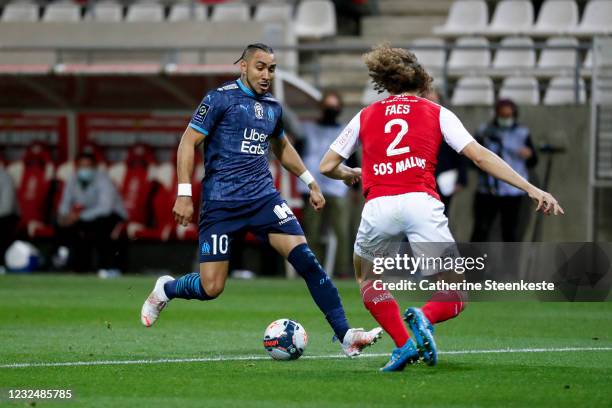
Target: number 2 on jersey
392, 150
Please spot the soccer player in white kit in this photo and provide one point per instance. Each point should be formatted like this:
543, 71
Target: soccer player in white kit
400, 138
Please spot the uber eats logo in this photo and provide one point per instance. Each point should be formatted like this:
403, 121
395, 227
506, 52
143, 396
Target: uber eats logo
252, 142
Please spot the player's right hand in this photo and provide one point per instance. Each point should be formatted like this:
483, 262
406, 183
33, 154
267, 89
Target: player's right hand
317, 200
354, 177
546, 202
183, 210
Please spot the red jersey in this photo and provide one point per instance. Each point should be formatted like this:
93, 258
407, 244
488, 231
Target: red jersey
400, 138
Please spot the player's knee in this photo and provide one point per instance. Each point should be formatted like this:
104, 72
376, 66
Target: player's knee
213, 289
304, 260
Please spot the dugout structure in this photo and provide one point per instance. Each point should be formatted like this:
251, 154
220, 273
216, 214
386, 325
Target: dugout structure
600, 170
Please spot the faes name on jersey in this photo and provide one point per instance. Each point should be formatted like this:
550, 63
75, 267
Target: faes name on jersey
398, 109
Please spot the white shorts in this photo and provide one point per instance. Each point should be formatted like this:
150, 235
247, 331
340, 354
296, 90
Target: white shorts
386, 221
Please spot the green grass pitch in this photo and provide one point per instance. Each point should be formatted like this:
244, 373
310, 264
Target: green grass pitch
45, 319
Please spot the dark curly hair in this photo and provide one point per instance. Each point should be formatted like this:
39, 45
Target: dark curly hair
396, 70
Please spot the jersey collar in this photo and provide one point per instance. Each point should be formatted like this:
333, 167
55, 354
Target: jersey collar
245, 88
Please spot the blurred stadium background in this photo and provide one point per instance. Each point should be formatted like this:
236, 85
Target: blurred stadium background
122, 79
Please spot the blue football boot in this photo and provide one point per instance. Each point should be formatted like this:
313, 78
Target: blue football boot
423, 334
402, 356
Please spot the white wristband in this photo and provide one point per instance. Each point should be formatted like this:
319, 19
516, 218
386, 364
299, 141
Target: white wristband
306, 177
184, 190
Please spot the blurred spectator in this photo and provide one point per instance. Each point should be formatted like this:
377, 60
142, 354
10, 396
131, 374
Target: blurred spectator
512, 142
451, 171
9, 213
318, 136
90, 214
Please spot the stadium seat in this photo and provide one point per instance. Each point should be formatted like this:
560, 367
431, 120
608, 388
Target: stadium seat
506, 58
20, 11
473, 91
315, 19
596, 19
559, 59
522, 90
163, 220
370, 95
470, 59
62, 11
464, 18
556, 17
145, 11
164, 227
135, 180
431, 59
187, 11
267, 12
560, 91
230, 12
108, 11
33, 176
511, 17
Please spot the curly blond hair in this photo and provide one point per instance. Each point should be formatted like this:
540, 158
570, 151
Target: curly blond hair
396, 70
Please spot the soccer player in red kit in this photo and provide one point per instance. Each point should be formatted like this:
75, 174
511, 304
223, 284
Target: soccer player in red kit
400, 138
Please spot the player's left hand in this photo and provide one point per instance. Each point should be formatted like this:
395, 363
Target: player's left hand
354, 177
316, 198
546, 202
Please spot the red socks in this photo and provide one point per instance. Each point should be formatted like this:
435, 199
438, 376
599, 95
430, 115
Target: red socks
386, 311
443, 305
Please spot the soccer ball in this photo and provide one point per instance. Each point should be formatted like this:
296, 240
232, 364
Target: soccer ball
285, 339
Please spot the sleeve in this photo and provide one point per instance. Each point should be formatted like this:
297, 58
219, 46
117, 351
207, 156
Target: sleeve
346, 143
453, 130
209, 112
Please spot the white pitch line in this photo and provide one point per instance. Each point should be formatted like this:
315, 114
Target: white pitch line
256, 358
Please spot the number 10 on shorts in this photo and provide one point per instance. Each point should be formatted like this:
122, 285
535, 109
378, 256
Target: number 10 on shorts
219, 244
